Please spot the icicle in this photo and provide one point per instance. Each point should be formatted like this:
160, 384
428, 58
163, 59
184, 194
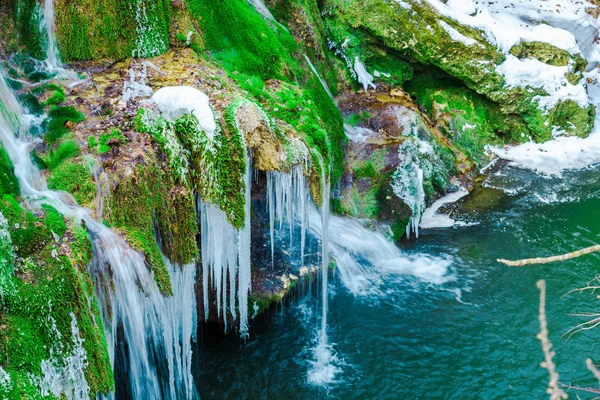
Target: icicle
287, 199
226, 258
324, 252
245, 283
271, 205
180, 329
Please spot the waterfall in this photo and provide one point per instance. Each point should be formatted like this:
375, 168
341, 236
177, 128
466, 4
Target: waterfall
324, 254
366, 259
142, 313
244, 279
316, 72
225, 257
53, 62
262, 9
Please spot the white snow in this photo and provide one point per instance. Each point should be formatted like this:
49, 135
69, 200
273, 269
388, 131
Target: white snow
504, 25
562, 153
432, 219
534, 73
456, 35
176, 101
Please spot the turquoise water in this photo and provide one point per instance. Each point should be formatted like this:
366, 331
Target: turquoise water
473, 337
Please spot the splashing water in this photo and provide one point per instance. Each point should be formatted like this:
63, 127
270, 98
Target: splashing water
324, 368
365, 259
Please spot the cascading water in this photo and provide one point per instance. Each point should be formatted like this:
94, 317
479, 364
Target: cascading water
289, 207
53, 62
323, 82
141, 314
324, 368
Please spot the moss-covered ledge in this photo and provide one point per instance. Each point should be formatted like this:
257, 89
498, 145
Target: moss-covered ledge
425, 40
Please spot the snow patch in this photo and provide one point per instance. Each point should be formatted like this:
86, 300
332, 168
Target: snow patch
456, 35
176, 101
534, 73
431, 218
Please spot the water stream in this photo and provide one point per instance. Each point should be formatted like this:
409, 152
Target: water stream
450, 324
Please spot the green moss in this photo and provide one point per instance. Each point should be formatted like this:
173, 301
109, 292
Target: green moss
242, 40
75, 178
544, 52
218, 166
114, 137
57, 119
27, 17
58, 96
51, 287
9, 183
29, 236
109, 28
357, 118
253, 50
365, 170
66, 149
151, 198
54, 220
469, 120
416, 34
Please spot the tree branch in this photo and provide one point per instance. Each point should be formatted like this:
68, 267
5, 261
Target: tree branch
546, 260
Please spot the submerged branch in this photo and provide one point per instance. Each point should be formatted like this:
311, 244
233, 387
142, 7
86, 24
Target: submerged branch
546, 260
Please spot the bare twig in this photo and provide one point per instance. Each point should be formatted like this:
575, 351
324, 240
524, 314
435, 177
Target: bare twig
592, 368
555, 392
583, 389
584, 326
546, 260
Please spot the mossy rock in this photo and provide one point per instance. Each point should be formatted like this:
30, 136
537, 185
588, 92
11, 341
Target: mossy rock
51, 287
9, 184
425, 41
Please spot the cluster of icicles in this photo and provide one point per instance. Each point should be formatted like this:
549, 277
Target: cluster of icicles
152, 324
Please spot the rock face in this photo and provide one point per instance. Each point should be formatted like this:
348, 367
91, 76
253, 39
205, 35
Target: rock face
396, 159
541, 91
